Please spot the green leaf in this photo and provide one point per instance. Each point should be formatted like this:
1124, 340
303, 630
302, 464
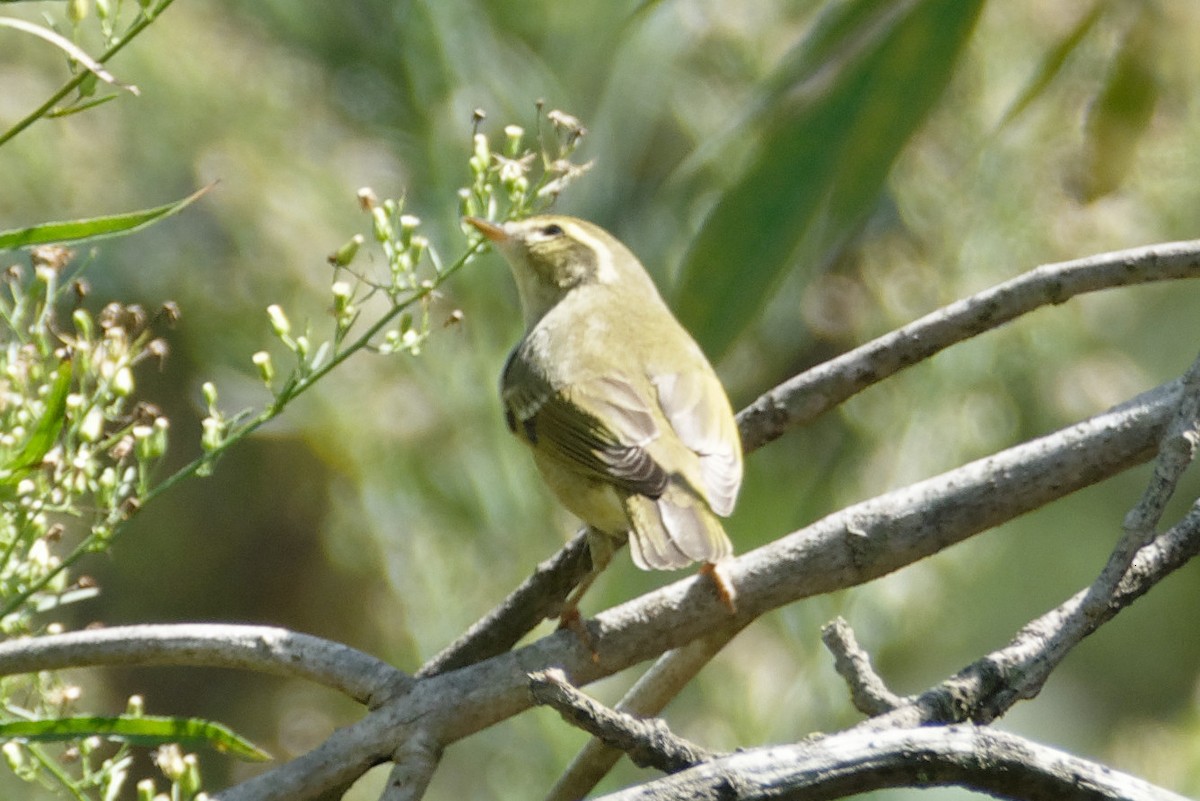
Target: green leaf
836, 114
143, 730
80, 105
95, 227
45, 433
1120, 115
1052, 63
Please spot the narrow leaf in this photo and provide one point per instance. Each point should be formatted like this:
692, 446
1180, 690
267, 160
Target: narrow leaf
70, 48
95, 227
840, 109
144, 730
1052, 63
1120, 115
45, 433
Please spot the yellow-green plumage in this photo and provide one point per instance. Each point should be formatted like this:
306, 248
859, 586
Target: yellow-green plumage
627, 421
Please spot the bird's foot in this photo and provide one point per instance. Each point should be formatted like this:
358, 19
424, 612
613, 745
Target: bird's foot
721, 583
572, 621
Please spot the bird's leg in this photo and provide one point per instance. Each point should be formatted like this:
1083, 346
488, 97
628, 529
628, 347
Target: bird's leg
602, 548
724, 587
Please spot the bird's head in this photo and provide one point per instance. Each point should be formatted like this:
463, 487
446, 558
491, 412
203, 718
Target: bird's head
550, 255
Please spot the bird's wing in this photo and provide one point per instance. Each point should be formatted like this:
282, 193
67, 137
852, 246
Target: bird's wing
695, 405
598, 427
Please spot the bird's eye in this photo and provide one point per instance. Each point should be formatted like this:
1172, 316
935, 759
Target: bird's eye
553, 229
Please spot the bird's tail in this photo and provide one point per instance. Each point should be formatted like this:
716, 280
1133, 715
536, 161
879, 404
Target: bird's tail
674, 530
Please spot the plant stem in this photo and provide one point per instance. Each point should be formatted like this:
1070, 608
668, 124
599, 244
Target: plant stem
293, 390
140, 24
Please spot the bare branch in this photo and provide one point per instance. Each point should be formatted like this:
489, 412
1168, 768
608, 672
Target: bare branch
867, 690
260, 648
1175, 453
816, 391
849, 547
539, 596
990, 686
646, 698
983, 759
648, 742
415, 763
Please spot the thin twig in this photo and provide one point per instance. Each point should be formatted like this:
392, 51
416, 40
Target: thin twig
648, 742
816, 391
1175, 453
649, 695
867, 690
539, 596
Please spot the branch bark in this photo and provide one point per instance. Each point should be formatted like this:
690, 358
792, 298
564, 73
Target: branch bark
264, 649
475, 683
855, 545
982, 759
816, 391
647, 741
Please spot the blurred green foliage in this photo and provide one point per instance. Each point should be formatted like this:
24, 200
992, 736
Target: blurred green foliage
390, 509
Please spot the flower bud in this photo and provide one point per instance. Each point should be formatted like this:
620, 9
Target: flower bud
513, 135
380, 224
279, 321
92, 427
342, 307
346, 253
209, 390
408, 224
122, 384
266, 368
212, 433
479, 161
367, 199
83, 324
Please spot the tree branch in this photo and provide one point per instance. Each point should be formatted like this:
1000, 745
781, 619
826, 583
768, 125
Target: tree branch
646, 698
849, 547
648, 742
982, 759
867, 690
415, 763
539, 596
816, 391
260, 648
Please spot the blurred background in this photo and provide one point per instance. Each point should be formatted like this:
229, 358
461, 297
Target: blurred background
390, 508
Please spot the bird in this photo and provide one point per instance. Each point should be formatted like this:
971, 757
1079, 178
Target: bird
627, 421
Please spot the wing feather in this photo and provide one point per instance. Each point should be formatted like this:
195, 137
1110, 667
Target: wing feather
597, 427
695, 405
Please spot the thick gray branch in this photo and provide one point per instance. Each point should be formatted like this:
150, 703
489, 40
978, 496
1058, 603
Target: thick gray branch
849, 547
261, 648
816, 391
841, 765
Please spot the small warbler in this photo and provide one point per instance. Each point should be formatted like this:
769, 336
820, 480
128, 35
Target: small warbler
627, 421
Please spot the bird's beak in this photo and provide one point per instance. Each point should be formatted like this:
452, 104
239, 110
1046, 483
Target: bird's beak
495, 233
